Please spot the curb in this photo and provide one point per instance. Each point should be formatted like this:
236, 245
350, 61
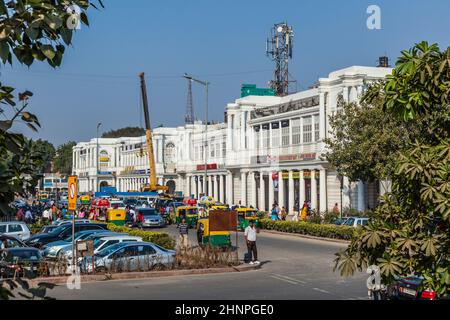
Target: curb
305, 236
143, 275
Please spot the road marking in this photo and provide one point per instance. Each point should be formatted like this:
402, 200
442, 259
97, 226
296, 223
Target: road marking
292, 279
323, 291
285, 280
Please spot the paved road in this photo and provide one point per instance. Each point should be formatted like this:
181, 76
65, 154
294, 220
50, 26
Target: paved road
293, 268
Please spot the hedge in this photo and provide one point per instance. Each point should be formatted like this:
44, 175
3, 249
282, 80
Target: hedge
311, 229
160, 238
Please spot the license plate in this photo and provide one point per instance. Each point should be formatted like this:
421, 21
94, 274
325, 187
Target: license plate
407, 291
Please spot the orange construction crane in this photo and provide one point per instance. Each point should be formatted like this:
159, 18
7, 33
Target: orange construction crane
153, 186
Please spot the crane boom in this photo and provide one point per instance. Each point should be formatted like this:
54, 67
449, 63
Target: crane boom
149, 141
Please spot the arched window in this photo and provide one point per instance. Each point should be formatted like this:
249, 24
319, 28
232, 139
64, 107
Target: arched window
169, 153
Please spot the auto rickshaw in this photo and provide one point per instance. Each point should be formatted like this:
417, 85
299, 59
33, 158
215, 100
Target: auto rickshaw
206, 237
85, 199
116, 216
189, 213
245, 215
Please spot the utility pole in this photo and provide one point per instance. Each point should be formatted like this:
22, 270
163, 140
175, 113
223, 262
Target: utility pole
97, 165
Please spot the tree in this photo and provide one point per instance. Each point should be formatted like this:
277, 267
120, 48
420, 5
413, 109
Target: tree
63, 158
47, 150
410, 232
124, 132
29, 30
366, 141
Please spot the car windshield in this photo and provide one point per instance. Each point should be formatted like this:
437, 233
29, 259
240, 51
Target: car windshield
58, 230
250, 213
98, 242
148, 211
191, 211
349, 222
108, 250
33, 255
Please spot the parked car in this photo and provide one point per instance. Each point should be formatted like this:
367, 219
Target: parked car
16, 229
130, 256
47, 229
411, 288
151, 217
61, 233
52, 249
356, 222
10, 242
19, 262
339, 221
69, 221
101, 241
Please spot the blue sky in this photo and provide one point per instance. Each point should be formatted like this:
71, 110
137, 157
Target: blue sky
219, 41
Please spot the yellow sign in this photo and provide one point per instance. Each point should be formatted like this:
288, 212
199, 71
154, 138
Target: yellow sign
72, 194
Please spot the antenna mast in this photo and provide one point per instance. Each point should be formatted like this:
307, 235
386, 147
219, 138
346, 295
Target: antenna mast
279, 49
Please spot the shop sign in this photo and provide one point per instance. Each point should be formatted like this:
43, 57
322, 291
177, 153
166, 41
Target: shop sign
212, 166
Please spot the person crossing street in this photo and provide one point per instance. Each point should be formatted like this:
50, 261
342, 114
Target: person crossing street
184, 230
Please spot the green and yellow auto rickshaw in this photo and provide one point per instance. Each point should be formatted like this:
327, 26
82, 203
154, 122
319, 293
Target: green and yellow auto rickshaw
85, 199
189, 213
216, 238
245, 215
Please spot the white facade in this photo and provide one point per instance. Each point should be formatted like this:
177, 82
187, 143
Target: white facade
267, 151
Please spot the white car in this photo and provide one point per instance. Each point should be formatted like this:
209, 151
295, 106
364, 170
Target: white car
356, 222
130, 256
16, 229
101, 243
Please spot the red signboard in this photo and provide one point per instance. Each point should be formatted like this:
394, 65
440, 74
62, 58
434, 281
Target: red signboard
212, 166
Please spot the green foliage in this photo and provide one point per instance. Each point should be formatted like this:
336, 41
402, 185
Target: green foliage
366, 141
63, 158
311, 229
46, 150
37, 30
410, 231
124, 132
160, 238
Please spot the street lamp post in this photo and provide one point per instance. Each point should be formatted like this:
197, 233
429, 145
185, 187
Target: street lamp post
97, 164
206, 84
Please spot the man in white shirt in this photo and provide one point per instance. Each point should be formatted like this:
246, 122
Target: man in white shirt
45, 214
250, 238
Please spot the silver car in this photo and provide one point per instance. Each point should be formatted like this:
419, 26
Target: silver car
130, 256
16, 229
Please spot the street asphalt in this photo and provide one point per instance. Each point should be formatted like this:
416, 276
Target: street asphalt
293, 268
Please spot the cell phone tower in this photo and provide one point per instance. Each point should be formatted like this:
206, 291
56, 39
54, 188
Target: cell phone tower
279, 49
189, 117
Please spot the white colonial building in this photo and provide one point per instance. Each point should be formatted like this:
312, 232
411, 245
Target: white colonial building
268, 150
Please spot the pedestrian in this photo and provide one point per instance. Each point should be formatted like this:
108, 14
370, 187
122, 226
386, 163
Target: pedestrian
282, 214
28, 216
140, 219
45, 215
20, 216
250, 238
304, 211
274, 212
184, 230
336, 209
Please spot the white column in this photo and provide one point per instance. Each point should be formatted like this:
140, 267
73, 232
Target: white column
216, 188
221, 189
361, 200
243, 188
252, 200
229, 187
262, 192
346, 194
345, 94
210, 188
74, 163
313, 190
323, 190
271, 191
291, 193
280, 189
322, 118
242, 131
301, 188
